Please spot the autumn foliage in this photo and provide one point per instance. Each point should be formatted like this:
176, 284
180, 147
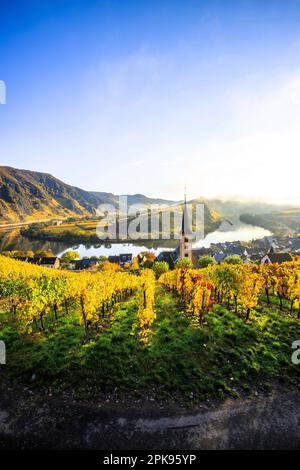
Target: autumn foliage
34, 293
234, 285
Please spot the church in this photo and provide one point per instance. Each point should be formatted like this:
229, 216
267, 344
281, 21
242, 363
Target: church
186, 238
185, 246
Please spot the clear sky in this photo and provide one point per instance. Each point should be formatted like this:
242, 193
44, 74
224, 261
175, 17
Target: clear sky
147, 96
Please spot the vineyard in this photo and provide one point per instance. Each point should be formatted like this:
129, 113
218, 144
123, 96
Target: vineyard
240, 286
34, 295
193, 332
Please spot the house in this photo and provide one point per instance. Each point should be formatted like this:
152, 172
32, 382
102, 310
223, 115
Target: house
46, 262
51, 262
240, 251
141, 258
271, 258
86, 263
255, 258
72, 265
170, 257
125, 258
121, 260
219, 257
199, 252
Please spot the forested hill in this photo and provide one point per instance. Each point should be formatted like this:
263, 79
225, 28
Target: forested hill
29, 196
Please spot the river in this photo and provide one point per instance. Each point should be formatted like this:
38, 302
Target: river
12, 240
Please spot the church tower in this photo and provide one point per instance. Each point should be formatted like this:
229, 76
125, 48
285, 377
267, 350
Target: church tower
185, 243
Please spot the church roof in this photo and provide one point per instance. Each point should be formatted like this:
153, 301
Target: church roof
185, 227
279, 257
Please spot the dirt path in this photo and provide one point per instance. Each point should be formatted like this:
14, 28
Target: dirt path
28, 420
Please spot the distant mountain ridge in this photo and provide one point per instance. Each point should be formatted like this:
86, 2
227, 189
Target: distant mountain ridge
140, 199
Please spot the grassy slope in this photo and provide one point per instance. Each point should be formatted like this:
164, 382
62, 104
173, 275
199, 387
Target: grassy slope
224, 356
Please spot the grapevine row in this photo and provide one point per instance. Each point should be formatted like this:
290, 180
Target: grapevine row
32, 293
240, 286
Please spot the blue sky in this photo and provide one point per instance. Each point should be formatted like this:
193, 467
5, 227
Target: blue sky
150, 96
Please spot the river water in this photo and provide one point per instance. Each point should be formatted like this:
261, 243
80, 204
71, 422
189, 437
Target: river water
12, 240
225, 233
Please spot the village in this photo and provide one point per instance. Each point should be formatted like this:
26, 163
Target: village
269, 249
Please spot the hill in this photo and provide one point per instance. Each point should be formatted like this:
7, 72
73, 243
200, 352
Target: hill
139, 199
283, 223
29, 196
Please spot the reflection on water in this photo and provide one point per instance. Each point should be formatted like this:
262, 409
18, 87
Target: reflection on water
116, 249
13, 240
227, 233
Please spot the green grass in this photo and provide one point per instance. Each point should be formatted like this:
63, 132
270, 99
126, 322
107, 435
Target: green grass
223, 356
274, 301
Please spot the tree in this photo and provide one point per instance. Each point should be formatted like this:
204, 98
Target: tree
159, 268
70, 256
135, 264
146, 313
233, 259
252, 284
193, 289
43, 254
205, 261
149, 257
102, 260
184, 263
29, 253
18, 254
110, 267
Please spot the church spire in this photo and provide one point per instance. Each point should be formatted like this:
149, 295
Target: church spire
185, 244
185, 227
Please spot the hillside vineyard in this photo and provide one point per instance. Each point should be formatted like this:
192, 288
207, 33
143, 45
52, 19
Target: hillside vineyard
33, 294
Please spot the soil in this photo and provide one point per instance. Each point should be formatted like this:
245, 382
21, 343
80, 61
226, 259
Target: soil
33, 419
